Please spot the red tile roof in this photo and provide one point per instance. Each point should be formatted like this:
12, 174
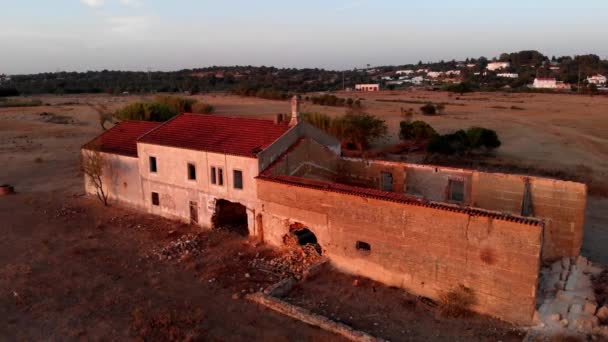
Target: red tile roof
239, 136
122, 138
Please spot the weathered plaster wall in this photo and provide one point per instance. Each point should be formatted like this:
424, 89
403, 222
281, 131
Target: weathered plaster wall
561, 203
423, 250
120, 179
176, 190
308, 159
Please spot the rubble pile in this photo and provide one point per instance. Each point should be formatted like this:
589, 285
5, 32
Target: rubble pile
68, 212
186, 246
291, 263
568, 301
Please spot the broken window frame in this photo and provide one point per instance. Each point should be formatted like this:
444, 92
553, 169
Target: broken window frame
191, 171
152, 164
213, 175
451, 193
237, 180
155, 197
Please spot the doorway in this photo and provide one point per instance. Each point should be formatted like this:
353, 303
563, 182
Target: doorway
230, 216
193, 212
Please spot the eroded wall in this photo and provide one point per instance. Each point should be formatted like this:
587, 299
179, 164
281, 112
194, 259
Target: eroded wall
120, 179
425, 251
176, 191
561, 203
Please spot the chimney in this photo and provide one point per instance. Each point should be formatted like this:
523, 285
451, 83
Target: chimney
278, 119
295, 111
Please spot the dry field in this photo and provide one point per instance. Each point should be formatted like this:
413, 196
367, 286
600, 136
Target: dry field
51, 267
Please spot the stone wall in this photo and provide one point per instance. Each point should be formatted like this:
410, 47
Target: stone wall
561, 203
423, 250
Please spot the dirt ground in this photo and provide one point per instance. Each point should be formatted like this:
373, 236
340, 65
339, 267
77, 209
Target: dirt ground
80, 273
72, 270
390, 312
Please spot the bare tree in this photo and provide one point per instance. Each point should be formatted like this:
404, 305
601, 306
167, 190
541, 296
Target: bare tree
104, 115
94, 165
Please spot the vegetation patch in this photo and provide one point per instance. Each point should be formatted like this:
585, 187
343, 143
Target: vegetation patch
6, 103
162, 108
356, 130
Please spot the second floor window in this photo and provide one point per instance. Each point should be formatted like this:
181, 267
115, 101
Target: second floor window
220, 176
153, 164
191, 172
238, 179
213, 175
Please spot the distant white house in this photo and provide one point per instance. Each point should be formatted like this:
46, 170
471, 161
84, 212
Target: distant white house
471, 65
508, 75
422, 70
404, 72
493, 66
452, 73
367, 87
386, 78
597, 79
434, 74
548, 83
417, 80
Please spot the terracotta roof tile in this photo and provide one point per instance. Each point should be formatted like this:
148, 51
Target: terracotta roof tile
122, 138
240, 136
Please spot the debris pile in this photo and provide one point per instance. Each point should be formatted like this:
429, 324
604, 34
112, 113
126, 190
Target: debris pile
291, 263
68, 212
186, 246
568, 302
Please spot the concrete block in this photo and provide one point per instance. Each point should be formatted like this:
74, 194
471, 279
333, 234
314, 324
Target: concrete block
556, 267
564, 275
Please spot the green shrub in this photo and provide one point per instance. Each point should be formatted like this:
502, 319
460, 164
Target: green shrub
148, 111
428, 109
482, 137
179, 104
416, 130
202, 108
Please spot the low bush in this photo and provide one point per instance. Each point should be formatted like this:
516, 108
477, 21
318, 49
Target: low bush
202, 108
148, 111
461, 141
417, 130
428, 109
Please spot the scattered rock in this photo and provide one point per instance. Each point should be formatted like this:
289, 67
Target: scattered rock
182, 249
590, 308
602, 314
292, 263
555, 317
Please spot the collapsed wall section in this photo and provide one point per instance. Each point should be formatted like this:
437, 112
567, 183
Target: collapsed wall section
422, 249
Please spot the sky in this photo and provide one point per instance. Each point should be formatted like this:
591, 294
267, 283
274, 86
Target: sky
81, 35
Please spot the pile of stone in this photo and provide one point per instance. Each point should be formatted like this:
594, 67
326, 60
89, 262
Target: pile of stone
186, 246
68, 212
568, 301
292, 263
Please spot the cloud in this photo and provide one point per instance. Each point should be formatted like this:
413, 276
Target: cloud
132, 3
93, 3
128, 24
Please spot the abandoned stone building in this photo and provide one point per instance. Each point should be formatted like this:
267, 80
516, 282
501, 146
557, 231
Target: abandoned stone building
426, 229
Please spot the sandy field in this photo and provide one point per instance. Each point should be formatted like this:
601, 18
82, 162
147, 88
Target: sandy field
69, 270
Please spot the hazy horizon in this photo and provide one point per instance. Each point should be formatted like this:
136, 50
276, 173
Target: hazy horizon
81, 35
